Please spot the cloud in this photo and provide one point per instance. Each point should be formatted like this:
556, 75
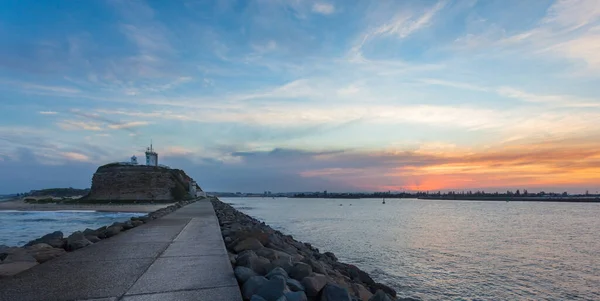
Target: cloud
569, 30
453, 84
572, 14
76, 156
127, 125
404, 25
264, 48
349, 90
73, 125
26, 87
558, 100
323, 8
401, 26
48, 112
585, 48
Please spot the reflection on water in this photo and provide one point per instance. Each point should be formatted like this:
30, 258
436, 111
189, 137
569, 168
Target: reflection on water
440, 250
19, 227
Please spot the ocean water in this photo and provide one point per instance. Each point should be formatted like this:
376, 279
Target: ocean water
452, 250
19, 227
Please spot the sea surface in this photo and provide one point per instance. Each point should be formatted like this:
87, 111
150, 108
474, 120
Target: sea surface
19, 227
451, 250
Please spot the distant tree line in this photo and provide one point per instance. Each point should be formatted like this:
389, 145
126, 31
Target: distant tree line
479, 194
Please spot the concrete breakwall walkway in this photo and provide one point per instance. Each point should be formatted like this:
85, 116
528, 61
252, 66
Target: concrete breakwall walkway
180, 256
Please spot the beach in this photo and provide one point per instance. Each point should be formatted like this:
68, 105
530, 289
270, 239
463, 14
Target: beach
20, 205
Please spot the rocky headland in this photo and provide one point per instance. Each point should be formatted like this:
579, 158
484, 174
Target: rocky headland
14, 260
272, 266
138, 183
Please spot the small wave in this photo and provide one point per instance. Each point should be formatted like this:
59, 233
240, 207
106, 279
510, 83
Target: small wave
47, 211
42, 220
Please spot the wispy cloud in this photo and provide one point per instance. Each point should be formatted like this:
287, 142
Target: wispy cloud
401, 26
38, 88
48, 112
76, 156
569, 30
557, 100
453, 84
323, 8
73, 125
127, 125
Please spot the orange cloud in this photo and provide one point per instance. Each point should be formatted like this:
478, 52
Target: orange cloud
547, 164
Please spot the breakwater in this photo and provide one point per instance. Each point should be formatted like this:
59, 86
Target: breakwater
269, 264
14, 260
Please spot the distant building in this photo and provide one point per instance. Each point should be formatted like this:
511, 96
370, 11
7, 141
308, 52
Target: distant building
134, 160
192, 188
151, 156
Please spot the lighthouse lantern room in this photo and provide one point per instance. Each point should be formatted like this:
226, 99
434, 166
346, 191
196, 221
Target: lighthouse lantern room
151, 156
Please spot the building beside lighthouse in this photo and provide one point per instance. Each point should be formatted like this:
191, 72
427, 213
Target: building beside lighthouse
151, 156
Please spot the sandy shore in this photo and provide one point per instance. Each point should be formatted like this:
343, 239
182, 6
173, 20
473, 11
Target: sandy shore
22, 206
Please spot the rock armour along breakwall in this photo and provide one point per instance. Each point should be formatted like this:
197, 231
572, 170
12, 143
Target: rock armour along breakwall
136, 183
270, 265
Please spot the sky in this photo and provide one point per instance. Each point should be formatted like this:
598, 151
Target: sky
303, 95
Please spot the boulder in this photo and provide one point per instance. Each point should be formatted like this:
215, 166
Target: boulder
232, 258
94, 239
13, 268
112, 231
261, 265
89, 232
316, 266
77, 241
245, 257
333, 292
379, 286
252, 285
55, 239
257, 298
297, 258
39, 246
296, 296
284, 263
247, 244
272, 290
137, 223
43, 255
277, 271
128, 225
17, 255
271, 254
294, 285
278, 277
357, 274
361, 292
331, 256
314, 284
380, 296
242, 274
300, 270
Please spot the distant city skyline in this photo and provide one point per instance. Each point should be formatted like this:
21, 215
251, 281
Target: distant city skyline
304, 95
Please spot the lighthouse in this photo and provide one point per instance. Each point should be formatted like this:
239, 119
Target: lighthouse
151, 156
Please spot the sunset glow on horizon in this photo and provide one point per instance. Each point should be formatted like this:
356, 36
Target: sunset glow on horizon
305, 95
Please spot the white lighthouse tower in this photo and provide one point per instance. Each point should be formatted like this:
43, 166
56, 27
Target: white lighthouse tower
151, 156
